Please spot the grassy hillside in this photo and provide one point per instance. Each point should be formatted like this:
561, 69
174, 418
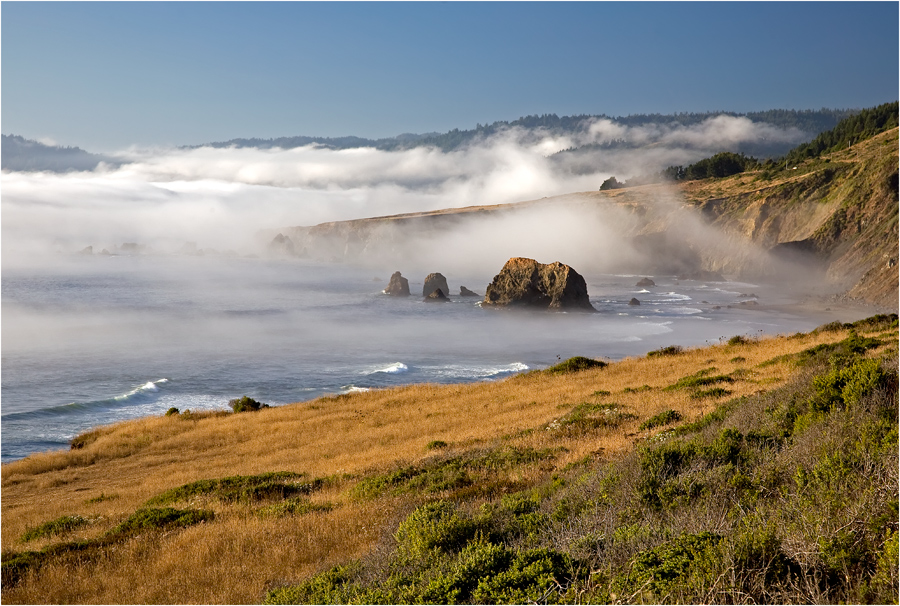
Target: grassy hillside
838, 213
746, 471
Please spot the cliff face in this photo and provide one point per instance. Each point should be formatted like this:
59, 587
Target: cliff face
838, 216
834, 219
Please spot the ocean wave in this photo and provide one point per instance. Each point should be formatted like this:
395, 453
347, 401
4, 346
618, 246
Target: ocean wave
136, 396
465, 371
674, 296
393, 369
354, 389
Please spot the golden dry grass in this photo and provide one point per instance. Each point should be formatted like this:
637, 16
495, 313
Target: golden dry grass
237, 556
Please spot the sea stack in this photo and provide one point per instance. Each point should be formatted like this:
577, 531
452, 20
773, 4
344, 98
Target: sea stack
634, 301
526, 283
398, 286
436, 296
434, 282
645, 282
465, 292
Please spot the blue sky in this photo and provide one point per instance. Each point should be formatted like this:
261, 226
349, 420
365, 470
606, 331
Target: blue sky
106, 75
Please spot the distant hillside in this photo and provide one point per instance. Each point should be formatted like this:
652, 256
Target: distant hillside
20, 154
810, 122
836, 214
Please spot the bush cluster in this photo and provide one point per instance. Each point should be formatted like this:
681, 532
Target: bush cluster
783, 496
446, 556
246, 404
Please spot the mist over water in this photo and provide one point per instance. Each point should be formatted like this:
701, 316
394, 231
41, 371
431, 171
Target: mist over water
92, 339
102, 339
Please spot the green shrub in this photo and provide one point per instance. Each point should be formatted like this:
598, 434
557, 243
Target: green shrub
435, 445
588, 416
842, 387
640, 389
246, 404
671, 350
465, 475
885, 580
531, 577
666, 417
172, 411
85, 439
59, 526
434, 526
699, 379
149, 519
248, 489
576, 364
682, 565
738, 340
477, 562
330, 587
830, 327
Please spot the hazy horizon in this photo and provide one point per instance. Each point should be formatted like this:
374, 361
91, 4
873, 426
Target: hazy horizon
106, 76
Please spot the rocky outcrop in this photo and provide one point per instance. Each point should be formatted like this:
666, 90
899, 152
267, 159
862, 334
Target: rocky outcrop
527, 283
465, 292
436, 296
645, 282
281, 246
634, 301
434, 282
398, 286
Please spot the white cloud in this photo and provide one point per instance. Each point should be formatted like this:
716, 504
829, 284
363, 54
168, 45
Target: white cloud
221, 197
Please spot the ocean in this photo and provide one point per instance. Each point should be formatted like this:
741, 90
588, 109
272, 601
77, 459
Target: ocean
90, 340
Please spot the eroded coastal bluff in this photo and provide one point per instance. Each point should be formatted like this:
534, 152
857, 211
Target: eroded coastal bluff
833, 218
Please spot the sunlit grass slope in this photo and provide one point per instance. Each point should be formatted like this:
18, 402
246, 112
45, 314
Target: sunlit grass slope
548, 485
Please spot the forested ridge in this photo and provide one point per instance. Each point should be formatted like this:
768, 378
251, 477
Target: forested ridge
808, 121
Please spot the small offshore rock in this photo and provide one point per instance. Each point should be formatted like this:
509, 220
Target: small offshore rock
434, 282
644, 282
398, 286
436, 296
465, 292
87, 250
634, 301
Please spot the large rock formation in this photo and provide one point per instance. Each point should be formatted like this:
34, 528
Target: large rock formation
398, 286
434, 282
527, 283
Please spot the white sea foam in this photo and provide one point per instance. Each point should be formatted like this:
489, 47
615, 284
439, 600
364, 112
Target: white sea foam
394, 369
465, 371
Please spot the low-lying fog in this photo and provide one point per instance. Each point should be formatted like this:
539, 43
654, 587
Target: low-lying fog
220, 198
89, 339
